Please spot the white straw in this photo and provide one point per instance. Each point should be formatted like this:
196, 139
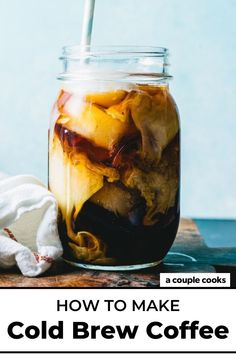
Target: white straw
87, 23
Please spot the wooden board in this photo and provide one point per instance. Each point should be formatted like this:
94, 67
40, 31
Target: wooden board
188, 241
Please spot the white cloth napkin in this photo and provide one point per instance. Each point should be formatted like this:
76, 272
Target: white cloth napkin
28, 225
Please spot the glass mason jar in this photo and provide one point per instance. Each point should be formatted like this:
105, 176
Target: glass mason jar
114, 157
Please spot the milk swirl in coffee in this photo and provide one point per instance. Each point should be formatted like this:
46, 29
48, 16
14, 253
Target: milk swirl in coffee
114, 169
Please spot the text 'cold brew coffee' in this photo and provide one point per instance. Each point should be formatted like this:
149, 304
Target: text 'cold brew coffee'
114, 157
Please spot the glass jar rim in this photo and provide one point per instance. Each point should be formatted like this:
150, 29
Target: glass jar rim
109, 63
78, 51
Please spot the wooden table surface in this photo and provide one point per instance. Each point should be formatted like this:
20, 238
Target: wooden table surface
200, 258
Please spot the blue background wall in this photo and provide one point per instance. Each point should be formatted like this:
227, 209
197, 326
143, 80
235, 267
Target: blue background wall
201, 37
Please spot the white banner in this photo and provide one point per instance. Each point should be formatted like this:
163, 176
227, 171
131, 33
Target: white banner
117, 320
